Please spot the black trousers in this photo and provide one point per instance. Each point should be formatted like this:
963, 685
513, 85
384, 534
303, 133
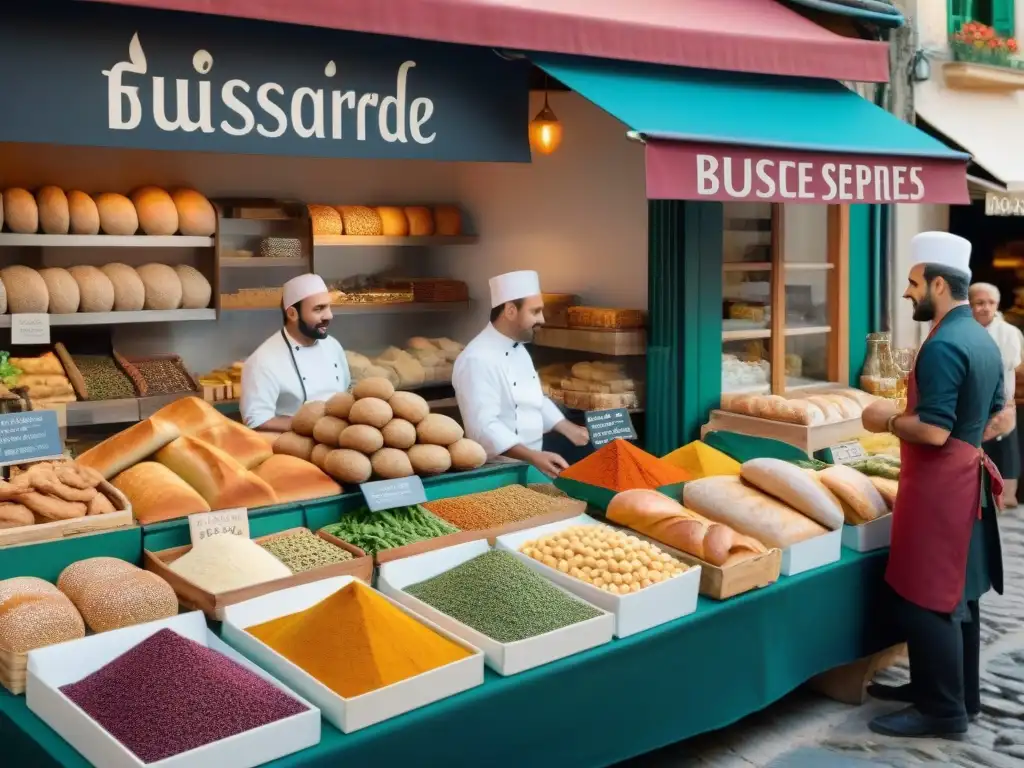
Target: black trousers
945, 657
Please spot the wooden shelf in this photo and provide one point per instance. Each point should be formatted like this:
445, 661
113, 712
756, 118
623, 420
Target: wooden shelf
340, 241
393, 308
262, 262
9, 239
766, 333
123, 318
89, 413
766, 266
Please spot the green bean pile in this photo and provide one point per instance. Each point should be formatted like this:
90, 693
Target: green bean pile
374, 532
502, 597
303, 551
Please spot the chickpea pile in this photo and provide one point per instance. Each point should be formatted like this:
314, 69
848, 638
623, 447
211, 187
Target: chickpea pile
607, 558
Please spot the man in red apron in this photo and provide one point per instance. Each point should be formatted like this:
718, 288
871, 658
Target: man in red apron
945, 550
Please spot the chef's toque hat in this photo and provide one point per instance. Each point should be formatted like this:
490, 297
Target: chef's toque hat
942, 249
302, 287
514, 285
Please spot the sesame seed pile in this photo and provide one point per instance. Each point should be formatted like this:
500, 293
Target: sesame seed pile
510, 504
169, 694
303, 551
497, 594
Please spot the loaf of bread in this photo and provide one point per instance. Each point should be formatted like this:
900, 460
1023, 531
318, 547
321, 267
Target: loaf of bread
797, 487
54, 214
20, 211
360, 220
157, 213
62, 289
447, 221
195, 288
95, 290
728, 500
325, 219
156, 493
887, 488
657, 516
163, 286
421, 220
196, 215
775, 408
861, 500
238, 441
191, 415
295, 480
129, 290
83, 213
76, 577
126, 449
393, 221
219, 479
126, 599
34, 614
26, 289
833, 413
117, 214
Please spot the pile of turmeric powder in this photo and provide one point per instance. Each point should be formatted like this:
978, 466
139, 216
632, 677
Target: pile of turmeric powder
355, 642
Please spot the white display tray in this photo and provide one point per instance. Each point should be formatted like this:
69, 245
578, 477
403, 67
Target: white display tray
633, 613
55, 666
503, 658
813, 553
347, 715
868, 536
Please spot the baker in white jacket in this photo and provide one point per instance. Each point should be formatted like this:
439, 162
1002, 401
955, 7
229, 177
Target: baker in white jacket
299, 363
497, 387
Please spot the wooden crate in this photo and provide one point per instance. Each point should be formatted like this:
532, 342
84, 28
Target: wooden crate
194, 597
598, 341
807, 439
62, 529
13, 671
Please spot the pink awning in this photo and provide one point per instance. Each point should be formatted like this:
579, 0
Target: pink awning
679, 170
760, 36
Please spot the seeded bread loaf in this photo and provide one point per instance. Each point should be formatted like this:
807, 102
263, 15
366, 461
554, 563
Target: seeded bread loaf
26, 289
96, 292
62, 290
326, 220
129, 290
360, 220
33, 616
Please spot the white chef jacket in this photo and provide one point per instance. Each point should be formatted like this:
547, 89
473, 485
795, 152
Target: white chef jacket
272, 383
499, 394
1007, 338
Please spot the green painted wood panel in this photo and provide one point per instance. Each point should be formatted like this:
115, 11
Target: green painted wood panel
863, 279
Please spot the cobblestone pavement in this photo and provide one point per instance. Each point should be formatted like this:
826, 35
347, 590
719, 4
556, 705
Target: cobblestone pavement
808, 731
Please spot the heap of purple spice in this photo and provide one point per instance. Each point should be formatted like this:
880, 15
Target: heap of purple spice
169, 694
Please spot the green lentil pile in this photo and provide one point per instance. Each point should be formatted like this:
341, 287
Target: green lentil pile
502, 597
374, 532
303, 551
103, 379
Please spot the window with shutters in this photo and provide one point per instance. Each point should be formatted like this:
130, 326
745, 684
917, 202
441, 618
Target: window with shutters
998, 14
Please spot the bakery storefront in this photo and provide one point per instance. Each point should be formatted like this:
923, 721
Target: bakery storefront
400, 170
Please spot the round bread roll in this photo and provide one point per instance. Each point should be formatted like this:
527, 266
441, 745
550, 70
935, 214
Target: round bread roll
195, 288
26, 289
339, 405
307, 416
467, 454
391, 463
63, 290
400, 434
54, 214
157, 214
326, 220
409, 406
447, 221
319, 455
438, 429
374, 386
117, 214
292, 444
393, 221
20, 211
96, 292
370, 410
362, 438
196, 215
124, 600
421, 221
76, 577
328, 429
163, 286
348, 467
84, 215
30, 620
129, 290
429, 459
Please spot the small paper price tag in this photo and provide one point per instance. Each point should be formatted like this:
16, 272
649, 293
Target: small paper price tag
847, 453
388, 494
30, 328
223, 522
605, 426
26, 437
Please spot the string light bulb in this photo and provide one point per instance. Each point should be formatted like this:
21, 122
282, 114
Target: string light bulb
545, 129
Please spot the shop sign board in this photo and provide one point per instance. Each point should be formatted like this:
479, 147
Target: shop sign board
89, 74
612, 424
1003, 205
221, 522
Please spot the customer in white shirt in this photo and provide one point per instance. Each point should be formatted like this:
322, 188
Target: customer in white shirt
497, 387
1001, 442
299, 363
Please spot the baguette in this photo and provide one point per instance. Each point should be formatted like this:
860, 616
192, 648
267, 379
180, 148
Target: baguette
727, 500
238, 441
127, 448
655, 515
863, 500
219, 479
798, 488
833, 413
158, 494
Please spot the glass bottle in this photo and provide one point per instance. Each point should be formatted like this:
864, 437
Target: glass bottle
880, 375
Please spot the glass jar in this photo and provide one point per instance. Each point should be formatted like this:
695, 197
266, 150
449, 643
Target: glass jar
880, 375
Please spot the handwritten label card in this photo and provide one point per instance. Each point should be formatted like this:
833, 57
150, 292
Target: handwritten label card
388, 494
30, 328
847, 453
223, 522
32, 436
605, 426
